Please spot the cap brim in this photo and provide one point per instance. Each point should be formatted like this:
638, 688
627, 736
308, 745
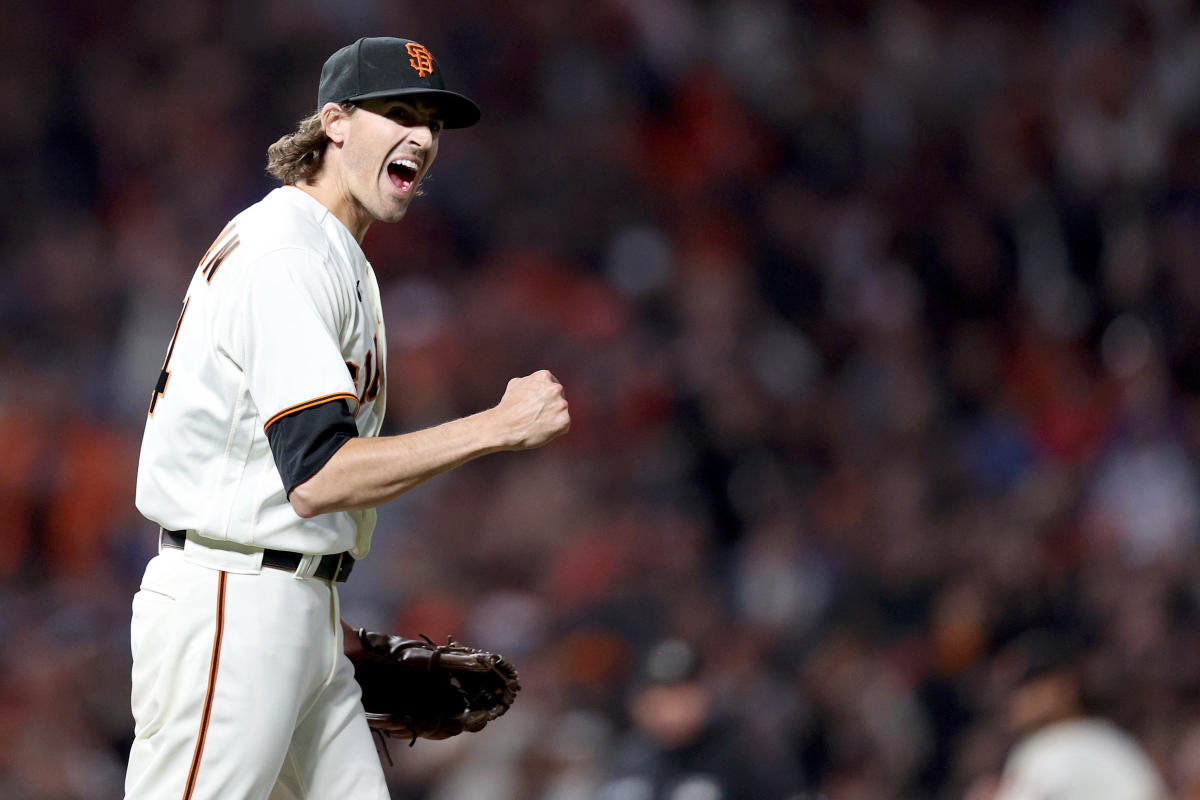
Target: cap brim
456, 110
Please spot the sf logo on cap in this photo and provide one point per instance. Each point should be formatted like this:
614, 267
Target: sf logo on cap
421, 60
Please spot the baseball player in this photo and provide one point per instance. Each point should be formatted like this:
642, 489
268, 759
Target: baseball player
1064, 750
261, 459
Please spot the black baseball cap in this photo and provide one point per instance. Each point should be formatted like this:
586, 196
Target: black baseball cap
1045, 651
385, 66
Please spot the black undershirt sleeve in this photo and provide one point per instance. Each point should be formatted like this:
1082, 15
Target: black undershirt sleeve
302, 442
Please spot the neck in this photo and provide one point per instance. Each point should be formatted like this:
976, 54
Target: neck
329, 192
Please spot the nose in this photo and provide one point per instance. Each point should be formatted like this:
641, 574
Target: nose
421, 134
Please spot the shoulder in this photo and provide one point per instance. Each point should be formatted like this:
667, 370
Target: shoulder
1094, 734
284, 219
280, 237
1083, 747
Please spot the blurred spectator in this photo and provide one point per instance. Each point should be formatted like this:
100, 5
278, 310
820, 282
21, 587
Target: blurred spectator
683, 744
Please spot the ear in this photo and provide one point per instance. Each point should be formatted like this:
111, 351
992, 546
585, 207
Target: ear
333, 122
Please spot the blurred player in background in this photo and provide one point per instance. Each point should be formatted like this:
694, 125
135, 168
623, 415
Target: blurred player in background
1064, 751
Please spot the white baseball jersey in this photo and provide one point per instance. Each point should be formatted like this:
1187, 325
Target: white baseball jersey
1082, 759
281, 316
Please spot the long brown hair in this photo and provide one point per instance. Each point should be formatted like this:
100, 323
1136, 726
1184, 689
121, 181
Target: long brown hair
297, 156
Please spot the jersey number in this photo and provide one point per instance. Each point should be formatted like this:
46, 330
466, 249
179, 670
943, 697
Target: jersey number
165, 375
220, 249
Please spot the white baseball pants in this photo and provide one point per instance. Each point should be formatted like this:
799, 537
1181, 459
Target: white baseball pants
241, 690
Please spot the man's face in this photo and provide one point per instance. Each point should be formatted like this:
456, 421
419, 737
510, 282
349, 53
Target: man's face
389, 147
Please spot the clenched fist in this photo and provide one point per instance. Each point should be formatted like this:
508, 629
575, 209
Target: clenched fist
533, 411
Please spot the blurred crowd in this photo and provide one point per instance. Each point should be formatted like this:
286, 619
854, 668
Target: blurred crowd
879, 321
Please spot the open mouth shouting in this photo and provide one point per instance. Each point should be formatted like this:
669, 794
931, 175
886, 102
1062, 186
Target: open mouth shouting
403, 173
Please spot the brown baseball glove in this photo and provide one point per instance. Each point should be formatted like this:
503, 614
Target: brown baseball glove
415, 689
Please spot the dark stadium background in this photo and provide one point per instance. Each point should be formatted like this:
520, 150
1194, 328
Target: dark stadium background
880, 324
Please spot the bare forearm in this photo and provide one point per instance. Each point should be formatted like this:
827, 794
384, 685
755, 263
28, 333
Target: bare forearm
368, 472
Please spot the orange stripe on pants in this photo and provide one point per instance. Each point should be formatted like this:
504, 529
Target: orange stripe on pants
212, 685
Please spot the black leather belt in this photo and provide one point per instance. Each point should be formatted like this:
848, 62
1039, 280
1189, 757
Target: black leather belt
333, 567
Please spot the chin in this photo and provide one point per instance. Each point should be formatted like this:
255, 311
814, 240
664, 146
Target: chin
395, 211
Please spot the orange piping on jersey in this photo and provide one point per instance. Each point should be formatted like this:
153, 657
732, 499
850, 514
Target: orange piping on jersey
308, 404
212, 685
